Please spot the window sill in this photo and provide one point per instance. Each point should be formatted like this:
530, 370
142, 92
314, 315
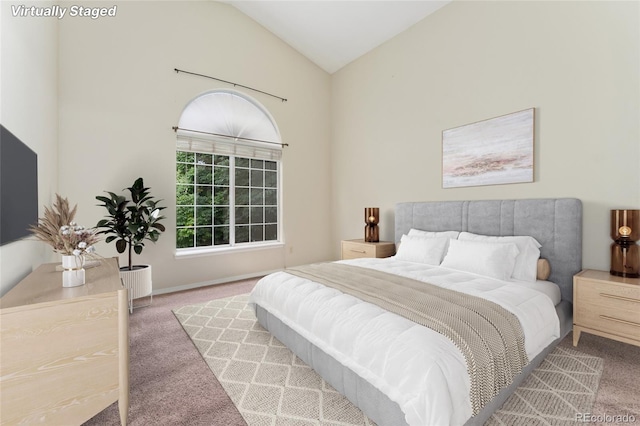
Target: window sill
200, 252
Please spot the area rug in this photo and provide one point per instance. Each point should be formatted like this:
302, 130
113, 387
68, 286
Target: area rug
270, 385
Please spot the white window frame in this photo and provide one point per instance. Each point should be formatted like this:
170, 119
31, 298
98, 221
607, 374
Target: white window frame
228, 145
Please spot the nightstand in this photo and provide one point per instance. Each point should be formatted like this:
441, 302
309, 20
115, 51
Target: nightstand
353, 249
607, 306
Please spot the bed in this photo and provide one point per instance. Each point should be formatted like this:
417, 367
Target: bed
406, 374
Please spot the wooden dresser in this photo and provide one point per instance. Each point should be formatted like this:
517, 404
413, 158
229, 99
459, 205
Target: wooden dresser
607, 306
64, 353
353, 249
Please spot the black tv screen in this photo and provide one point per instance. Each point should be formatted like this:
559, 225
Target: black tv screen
18, 188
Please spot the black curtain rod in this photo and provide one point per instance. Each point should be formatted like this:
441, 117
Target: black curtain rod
176, 128
230, 82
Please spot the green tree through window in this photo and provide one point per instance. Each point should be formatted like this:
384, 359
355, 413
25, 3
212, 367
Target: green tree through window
224, 200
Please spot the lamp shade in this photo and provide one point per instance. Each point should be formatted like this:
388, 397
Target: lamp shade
625, 224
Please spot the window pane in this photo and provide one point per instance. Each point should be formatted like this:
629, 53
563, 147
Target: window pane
184, 157
257, 233
242, 214
204, 215
204, 200
242, 196
257, 214
184, 216
270, 197
203, 158
184, 173
257, 197
184, 237
221, 216
242, 177
256, 178
271, 179
220, 235
221, 160
184, 195
203, 237
270, 232
222, 196
204, 195
221, 176
271, 214
242, 234
203, 174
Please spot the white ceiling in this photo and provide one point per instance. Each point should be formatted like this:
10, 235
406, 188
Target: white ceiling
334, 33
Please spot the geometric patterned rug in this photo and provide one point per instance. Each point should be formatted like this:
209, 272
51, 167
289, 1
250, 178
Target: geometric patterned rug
564, 384
269, 385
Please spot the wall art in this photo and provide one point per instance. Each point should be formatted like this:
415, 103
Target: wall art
490, 152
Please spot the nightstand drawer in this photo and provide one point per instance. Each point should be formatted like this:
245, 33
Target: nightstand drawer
608, 295
620, 322
354, 249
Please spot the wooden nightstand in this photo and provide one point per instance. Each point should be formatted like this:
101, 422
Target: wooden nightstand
353, 249
607, 306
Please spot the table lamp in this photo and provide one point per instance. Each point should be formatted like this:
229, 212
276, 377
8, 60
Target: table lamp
371, 218
625, 231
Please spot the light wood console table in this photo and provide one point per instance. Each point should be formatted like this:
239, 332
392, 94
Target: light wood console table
64, 352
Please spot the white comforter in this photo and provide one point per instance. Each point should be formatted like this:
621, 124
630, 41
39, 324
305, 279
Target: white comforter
421, 370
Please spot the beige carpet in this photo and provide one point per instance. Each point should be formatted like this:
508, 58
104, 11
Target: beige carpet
565, 384
269, 385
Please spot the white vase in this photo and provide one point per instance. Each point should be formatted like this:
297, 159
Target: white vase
73, 271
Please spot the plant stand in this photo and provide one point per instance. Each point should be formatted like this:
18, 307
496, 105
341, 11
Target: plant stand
138, 283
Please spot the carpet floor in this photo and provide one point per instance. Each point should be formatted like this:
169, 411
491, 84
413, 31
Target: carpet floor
271, 386
171, 384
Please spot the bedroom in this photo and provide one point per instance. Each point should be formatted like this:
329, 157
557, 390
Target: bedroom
94, 86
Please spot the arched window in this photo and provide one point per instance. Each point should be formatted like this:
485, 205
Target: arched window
228, 165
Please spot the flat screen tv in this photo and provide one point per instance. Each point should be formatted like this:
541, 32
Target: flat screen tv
18, 188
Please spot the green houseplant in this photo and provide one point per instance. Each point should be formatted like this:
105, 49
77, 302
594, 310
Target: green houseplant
130, 222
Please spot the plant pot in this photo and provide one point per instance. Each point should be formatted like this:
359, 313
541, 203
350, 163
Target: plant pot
137, 281
72, 271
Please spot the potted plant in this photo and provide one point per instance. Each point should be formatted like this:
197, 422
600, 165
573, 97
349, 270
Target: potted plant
129, 223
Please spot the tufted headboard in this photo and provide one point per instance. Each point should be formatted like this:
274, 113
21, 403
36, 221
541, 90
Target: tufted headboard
555, 222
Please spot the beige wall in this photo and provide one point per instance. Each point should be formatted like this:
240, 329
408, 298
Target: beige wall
577, 63
120, 96
370, 135
28, 108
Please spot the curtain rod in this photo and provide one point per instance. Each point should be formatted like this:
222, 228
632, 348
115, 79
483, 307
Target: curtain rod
230, 82
176, 128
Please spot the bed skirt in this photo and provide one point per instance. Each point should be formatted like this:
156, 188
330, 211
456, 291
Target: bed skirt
377, 406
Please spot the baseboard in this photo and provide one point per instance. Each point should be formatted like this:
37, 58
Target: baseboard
225, 280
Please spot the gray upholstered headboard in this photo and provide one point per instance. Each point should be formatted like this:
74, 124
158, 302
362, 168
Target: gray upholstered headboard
556, 224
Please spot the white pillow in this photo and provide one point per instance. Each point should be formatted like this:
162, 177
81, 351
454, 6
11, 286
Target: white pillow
421, 250
429, 234
526, 268
435, 234
495, 260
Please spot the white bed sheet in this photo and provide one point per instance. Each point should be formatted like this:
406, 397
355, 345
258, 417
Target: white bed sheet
421, 370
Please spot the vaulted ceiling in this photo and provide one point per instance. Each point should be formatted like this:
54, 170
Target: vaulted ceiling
334, 33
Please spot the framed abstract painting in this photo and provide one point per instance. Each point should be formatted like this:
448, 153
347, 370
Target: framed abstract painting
490, 152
